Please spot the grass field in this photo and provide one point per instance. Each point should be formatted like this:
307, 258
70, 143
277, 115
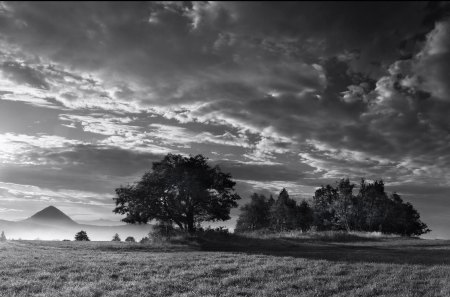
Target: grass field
281, 266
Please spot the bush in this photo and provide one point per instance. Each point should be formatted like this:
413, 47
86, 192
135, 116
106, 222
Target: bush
116, 237
82, 236
130, 239
214, 233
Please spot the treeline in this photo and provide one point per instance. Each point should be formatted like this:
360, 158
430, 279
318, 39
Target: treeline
334, 208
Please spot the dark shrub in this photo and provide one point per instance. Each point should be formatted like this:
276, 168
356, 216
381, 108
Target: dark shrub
82, 236
130, 239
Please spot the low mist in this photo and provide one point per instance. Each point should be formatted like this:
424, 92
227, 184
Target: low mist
27, 231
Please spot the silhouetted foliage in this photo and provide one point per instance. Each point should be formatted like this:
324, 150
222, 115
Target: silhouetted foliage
279, 215
283, 213
254, 215
82, 236
335, 208
375, 204
324, 213
2, 237
370, 210
181, 190
219, 233
402, 218
343, 205
116, 237
130, 239
305, 216
145, 240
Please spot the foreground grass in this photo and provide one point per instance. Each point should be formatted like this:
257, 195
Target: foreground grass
282, 266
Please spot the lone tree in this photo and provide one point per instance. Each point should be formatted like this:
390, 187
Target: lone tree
181, 190
116, 237
81, 236
3, 237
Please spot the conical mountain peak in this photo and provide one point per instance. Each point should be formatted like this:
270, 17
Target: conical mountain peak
51, 214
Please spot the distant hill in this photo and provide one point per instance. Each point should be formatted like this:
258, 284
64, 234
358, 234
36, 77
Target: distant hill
51, 215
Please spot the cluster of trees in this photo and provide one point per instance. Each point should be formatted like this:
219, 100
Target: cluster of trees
334, 208
116, 237
281, 214
186, 191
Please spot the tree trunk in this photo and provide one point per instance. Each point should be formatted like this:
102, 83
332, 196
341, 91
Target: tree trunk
191, 227
190, 223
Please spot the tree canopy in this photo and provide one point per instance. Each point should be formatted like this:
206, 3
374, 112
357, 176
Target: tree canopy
371, 209
278, 215
254, 215
181, 190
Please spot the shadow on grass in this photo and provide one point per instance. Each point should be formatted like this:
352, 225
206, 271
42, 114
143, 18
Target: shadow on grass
348, 249
389, 251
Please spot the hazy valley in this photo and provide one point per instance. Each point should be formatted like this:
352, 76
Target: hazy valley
52, 224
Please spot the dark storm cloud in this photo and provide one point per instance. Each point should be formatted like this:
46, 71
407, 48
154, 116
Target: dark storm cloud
260, 172
105, 161
373, 30
244, 61
99, 35
23, 74
185, 41
189, 39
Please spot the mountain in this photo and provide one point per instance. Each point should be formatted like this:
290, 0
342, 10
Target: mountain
51, 215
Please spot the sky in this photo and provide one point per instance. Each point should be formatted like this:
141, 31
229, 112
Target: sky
293, 95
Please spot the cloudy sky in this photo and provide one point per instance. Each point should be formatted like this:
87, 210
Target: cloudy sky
288, 95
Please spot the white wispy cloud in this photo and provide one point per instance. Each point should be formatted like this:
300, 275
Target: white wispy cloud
16, 192
102, 124
17, 148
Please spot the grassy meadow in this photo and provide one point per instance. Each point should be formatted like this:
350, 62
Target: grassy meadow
228, 266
